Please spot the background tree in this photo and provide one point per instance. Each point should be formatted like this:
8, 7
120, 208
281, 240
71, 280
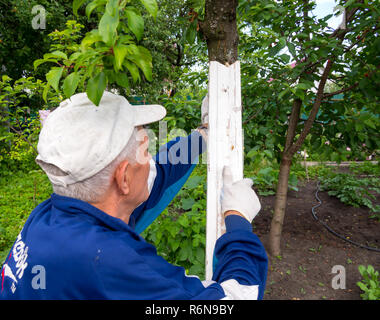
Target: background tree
292, 54
21, 44
174, 49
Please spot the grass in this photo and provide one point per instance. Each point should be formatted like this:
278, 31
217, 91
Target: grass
20, 193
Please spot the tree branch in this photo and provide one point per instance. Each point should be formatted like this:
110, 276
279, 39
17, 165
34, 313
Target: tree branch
330, 94
293, 121
313, 113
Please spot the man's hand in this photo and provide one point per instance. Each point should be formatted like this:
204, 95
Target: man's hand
203, 128
204, 110
239, 196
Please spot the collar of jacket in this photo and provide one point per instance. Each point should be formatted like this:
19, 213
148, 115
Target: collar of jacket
79, 207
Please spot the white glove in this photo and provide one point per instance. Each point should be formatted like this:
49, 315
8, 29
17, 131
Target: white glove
204, 110
239, 196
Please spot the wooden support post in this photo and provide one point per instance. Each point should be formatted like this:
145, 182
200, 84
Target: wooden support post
225, 146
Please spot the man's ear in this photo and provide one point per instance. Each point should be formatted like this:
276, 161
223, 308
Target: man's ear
122, 177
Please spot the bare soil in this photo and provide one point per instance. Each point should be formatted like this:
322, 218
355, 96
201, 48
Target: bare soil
309, 251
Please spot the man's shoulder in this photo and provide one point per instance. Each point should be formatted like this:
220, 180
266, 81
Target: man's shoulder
74, 234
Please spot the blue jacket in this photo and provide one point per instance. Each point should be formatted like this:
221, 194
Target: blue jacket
68, 249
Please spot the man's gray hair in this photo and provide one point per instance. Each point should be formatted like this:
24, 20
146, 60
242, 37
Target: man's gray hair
92, 189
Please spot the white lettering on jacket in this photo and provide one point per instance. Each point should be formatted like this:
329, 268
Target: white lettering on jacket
20, 254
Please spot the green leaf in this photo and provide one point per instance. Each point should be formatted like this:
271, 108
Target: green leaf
59, 54
183, 221
133, 70
96, 87
120, 51
174, 244
300, 94
107, 27
93, 5
362, 286
278, 47
268, 153
194, 182
151, 6
74, 56
135, 23
70, 84
76, 5
362, 269
293, 180
292, 49
370, 269
90, 38
285, 57
112, 7
45, 92
187, 203
283, 92
122, 79
348, 3
53, 77
191, 33
304, 85
38, 62
144, 61
370, 124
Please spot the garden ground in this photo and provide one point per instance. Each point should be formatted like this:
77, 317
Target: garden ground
309, 251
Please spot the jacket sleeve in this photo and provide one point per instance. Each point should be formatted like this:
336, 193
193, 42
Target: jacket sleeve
137, 272
240, 261
175, 162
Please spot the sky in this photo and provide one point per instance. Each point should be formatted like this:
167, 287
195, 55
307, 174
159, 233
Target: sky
326, 7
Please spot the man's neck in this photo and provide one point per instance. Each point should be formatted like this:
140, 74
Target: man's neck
115, 209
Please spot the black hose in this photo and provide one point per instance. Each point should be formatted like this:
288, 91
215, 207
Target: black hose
331, 230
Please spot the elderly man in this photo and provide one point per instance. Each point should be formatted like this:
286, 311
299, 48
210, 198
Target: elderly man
84, 242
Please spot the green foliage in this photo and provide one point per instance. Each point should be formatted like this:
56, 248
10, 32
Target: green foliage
20, 43
366, 168
370, 283
20, 192
265, 181
183, 109
104, 55
179, 232
264, 174
19, 124
352, 190
283, 48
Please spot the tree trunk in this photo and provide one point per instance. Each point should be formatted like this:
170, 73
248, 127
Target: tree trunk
220, 29
279, 207
282, 185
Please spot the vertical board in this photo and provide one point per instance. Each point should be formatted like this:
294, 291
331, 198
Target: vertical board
225, 146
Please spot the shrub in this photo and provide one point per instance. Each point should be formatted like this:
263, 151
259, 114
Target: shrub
370, 283
179, 233
352, 190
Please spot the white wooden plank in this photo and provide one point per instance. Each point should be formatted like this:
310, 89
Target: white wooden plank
225, 145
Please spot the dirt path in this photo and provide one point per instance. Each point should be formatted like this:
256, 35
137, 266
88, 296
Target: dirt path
309, 251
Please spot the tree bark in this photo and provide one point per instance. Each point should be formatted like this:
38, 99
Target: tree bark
279, 208
282, 185
220, 29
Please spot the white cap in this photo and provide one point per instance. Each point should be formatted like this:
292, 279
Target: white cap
81, 139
